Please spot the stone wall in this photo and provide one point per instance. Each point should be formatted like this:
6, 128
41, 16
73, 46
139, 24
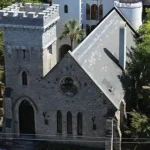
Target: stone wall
46, 96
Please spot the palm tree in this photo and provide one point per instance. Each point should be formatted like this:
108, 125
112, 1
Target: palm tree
73, 32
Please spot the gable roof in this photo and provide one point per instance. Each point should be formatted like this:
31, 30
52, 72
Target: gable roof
121, 15
98, 55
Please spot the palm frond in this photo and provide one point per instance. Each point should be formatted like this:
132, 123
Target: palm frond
73, 31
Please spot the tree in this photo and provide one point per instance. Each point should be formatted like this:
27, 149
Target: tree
5, 3
72, 31
32, 1
139, 98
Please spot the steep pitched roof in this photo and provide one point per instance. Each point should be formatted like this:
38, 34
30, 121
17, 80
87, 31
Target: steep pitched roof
98, 55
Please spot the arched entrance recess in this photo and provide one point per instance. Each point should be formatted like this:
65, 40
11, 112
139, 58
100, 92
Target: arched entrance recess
64, 50
26, 118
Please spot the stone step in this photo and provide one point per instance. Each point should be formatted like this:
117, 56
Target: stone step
24, 145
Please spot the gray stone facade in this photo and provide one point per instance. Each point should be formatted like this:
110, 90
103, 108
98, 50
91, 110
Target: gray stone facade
89, 100
30, 46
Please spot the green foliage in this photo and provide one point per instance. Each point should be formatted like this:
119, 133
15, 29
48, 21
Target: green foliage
2, 76
31, 1
140, 124
1, 49
5, 3
72, 31
139, 68
139, 98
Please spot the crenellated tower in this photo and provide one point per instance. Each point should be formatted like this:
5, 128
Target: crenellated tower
132, 11
29, 38
30, 47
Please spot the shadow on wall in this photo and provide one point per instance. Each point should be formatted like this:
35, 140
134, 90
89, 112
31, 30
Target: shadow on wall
112, 57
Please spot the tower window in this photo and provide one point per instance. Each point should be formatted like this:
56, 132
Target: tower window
24, 54
66, 8
24, 78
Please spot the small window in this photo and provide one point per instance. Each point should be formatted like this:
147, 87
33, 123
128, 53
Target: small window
24, 78
24, 53
59, 122
88, 12
100, 12
66, 8
94, 12
82, 26
69, 122
79, 123
50, 49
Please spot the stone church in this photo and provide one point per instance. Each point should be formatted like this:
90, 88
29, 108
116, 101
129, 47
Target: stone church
78, 100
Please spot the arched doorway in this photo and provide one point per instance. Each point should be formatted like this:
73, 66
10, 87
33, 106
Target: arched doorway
26, 118
64, 50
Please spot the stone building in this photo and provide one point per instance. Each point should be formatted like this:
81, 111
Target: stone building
78, 100
89, 12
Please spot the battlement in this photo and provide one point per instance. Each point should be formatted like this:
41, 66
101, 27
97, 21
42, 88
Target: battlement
29, 14
131, 11
129, 1
128, 4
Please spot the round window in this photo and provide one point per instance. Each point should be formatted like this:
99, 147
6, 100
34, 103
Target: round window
68, 86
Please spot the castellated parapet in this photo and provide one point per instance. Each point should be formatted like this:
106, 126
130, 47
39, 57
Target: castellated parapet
131, 11
27, 15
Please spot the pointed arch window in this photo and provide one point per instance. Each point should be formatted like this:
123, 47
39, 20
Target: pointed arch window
94, 12
100, 12
66, 8
69, 122
79, 123
24, 78
88, 12
59, 122
24, 54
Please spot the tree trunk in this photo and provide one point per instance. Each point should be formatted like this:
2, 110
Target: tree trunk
71, 44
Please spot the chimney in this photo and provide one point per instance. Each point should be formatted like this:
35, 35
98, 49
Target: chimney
122, 45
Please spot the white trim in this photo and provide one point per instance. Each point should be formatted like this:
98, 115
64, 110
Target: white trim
128, 5
29, 26
50, 43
